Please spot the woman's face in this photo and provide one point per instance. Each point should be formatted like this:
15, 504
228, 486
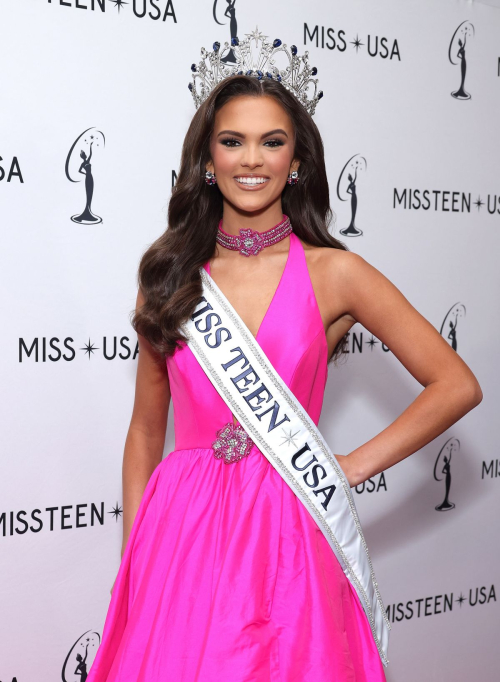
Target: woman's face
253, 137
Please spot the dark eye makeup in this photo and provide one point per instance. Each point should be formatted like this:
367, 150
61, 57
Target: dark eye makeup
278, 142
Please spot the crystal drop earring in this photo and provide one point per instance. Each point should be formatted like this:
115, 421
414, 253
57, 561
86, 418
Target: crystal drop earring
293, 178
210, 178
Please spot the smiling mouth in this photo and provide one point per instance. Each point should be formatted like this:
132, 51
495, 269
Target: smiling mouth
251, 182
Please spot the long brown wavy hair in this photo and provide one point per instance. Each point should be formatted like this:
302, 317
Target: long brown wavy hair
168, 273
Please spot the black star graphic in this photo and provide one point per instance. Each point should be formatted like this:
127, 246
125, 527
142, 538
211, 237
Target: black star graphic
119, 3
89, 348
372, 342
460, 599
357, 43
479, 203
117, 511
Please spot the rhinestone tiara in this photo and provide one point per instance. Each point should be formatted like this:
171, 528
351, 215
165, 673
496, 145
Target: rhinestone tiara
259, 62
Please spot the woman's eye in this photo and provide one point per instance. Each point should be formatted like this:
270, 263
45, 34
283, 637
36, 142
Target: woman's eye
229, 142
229, 139
276, 143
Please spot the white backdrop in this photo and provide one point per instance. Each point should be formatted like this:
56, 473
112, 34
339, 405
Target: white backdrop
81, 68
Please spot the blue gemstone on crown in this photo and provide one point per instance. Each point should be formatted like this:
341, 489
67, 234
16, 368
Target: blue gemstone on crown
193, 67
269, 75
293, 48
249, 72
320, 94
190, 86
278, 78
235, 41
276, 42
216, 46
260, 74
314, 71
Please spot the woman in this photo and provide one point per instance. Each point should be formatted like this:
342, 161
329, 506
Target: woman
224, 574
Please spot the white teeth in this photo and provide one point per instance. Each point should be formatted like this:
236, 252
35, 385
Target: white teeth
251, 181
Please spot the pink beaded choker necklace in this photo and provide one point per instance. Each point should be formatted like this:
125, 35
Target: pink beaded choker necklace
249, 242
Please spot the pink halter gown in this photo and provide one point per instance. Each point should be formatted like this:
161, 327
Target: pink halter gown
226, 577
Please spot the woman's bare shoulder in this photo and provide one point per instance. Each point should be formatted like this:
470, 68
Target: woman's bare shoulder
330, 262
330, 271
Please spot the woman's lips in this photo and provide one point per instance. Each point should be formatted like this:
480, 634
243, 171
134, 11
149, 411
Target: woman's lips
252, 187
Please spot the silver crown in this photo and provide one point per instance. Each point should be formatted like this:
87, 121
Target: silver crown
259, 62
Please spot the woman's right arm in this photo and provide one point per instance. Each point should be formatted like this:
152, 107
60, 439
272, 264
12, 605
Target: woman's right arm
146, 434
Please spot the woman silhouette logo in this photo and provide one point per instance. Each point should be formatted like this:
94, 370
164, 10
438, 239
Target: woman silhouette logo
443, 466
458, 52
457, 310
81, 668
80, 658
356, 163
90, 138
230, 12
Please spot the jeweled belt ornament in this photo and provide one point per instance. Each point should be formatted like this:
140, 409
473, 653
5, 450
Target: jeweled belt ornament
286, 435
232, 443
250, 242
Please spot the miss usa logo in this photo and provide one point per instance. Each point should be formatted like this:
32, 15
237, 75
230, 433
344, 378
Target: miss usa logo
81, 656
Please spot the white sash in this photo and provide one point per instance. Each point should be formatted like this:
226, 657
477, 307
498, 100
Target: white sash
286, 435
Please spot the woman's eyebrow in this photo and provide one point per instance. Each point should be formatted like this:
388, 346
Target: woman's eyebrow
237, 134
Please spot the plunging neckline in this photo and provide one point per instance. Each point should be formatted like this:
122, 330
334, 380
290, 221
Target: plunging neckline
266, 314
232, 417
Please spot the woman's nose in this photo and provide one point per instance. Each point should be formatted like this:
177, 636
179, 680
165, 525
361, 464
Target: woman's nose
252, 156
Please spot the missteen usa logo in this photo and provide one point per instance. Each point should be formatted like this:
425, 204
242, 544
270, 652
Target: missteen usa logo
157, 10
440, 603
445, 201
56, 518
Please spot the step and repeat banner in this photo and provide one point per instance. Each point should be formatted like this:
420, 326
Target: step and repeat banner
95, 106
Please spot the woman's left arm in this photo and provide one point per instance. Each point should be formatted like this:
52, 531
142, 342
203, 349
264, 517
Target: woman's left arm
450, 388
